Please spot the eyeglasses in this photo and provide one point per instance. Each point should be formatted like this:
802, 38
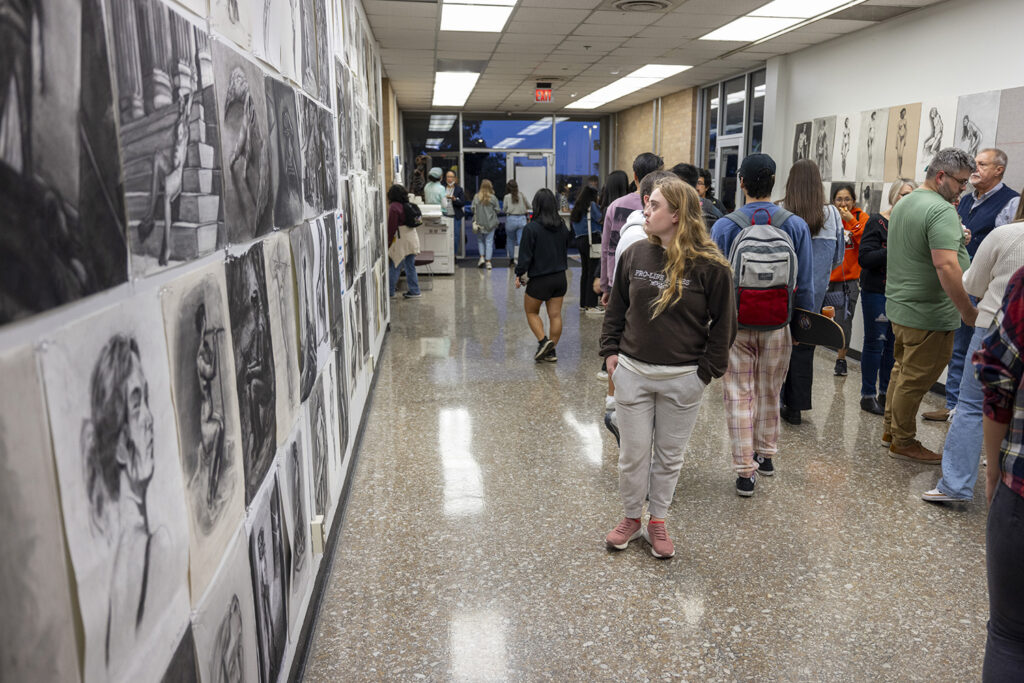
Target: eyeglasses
961, 181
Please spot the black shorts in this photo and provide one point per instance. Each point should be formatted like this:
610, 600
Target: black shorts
549, 286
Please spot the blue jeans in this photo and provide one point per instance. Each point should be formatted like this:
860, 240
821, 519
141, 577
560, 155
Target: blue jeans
485, 244
514, 229
954, 376
962, 450
411, 277
876, 357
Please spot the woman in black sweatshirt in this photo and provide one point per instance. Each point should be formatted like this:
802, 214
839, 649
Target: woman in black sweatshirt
543, 260
670, 321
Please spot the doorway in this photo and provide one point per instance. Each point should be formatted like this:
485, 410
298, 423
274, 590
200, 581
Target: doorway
725, 168
531, 171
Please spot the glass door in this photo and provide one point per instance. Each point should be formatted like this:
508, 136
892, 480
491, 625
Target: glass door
727, 187
531, 171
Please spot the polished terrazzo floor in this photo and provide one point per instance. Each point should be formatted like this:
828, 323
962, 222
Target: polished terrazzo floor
472, 548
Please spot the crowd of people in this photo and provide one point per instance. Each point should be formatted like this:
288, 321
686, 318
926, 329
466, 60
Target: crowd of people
690, 292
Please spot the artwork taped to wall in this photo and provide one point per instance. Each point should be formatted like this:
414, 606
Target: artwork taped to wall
823, 133
353, 340
323, 52
977, 118
224, 624
295, 488
355, 202
329, 164
869, 197
63, 227
335, 310
254, 364
344, 402
198, 329
935, 132
184, 668
276, 34
270, 561
366, 311
311, 144
344, 101
277, 259
346, 244
168, 134
901, 141
844, 160
37, 637
121, 490
319, 448
244, 144
352, 32
304, 258
1010, 135
285, 154
233, 20
871, 154
802, 141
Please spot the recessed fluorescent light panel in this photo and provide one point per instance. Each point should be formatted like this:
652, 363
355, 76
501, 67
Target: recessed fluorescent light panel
482, 17
627, 85
776, 18
441, 123
452, 88
802, 9
433, 143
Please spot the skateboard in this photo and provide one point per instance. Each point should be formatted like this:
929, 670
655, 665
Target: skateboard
815, 329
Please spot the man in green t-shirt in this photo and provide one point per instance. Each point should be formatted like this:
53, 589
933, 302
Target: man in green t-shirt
925, 296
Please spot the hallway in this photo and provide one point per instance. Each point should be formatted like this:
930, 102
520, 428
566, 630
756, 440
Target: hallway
472, 545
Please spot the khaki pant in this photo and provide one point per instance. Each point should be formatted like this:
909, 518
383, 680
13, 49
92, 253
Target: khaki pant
920, 357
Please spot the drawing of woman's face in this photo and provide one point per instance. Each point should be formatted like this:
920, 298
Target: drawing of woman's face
136, 458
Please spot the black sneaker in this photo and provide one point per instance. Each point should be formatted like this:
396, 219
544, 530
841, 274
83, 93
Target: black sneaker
764, 465
551, 356
611, 424
871, 405
410, 295
745, 486
840, 367
543, 346
881, 401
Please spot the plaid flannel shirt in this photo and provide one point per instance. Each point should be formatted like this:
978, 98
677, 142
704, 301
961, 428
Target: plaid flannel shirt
1000, 367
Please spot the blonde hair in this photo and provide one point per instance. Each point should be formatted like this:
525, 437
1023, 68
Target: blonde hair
691, 243
486, 191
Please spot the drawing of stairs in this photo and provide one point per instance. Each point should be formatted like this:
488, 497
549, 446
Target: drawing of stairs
196, 214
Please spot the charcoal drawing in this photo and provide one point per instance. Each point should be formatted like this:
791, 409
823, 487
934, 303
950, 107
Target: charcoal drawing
312, 157
206, 407
183, 667
254, 365
319, 448
286, 158
270, 558
62, 231
304, 257
277, 257
344, 101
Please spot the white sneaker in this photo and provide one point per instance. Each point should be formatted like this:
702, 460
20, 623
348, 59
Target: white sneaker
488, 265
601, 374
937, 496
480, 263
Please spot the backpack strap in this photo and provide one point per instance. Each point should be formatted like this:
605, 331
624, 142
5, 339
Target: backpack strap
739, 218
780, 216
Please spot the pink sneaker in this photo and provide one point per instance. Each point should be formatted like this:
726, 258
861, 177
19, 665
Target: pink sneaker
627, 530
661, 544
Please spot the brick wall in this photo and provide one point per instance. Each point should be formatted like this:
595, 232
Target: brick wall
635, 130
633, 135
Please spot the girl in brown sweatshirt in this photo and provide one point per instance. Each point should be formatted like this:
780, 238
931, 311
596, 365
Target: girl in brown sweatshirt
670, 321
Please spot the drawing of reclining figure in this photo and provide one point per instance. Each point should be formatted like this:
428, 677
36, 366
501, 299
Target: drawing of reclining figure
168, 177
257, 388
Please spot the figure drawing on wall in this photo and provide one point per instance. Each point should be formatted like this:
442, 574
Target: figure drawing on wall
844, 150
248, 159
901, 140
270, 560
60, 196
933, 143
970, 136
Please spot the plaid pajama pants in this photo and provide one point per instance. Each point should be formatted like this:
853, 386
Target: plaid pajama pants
758, 362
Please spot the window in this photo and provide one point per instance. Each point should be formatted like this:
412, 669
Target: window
577, 154
507, 133
735, 98
755, 126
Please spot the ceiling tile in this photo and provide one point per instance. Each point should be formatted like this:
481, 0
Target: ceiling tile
610, 30
624, 18
740, 7
566, 18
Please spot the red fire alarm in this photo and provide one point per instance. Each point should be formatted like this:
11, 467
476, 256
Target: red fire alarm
542, 93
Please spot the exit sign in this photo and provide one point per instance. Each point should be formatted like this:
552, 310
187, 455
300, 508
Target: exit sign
542, 93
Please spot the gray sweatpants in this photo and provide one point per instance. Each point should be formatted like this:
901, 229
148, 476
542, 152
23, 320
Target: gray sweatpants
656, 417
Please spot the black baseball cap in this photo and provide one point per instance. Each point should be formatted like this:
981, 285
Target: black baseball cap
755, 165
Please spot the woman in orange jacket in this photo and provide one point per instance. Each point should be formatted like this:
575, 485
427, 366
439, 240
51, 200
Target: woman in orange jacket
844, 286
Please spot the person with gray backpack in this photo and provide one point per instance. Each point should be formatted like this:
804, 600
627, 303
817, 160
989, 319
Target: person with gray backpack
766, 246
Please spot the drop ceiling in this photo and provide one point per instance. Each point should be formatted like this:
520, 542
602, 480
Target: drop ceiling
580, 46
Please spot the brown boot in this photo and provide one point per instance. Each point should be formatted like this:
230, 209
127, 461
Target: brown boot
915, 452
936, 415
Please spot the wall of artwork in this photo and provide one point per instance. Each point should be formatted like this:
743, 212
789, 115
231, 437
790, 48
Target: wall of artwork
191, 300
921, 97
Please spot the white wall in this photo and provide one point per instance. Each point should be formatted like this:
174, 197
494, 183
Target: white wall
943, 51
